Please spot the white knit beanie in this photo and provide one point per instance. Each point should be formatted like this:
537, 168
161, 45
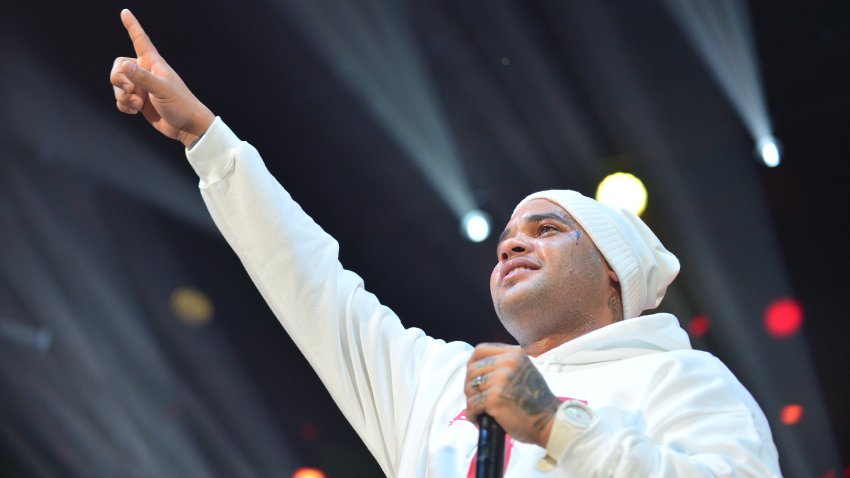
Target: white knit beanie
645, 268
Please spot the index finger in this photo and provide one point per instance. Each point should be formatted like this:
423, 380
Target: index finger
141, 43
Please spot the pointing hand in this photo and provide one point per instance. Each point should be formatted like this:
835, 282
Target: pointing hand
147, 84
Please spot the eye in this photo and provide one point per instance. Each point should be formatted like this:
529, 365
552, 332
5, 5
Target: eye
545, 228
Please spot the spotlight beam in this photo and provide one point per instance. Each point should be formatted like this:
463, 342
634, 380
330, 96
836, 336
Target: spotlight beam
730, 277
113, 157
719, 31
372, 49
97, 401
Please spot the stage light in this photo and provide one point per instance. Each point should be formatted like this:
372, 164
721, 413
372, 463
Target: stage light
783, 318
362, 42
623, 190
791, 414
769, 151
722, 35
699, 326
475, 225
309, 473
191, 305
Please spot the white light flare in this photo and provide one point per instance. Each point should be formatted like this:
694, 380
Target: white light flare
475, 225
769, 151
623, 190
720, 31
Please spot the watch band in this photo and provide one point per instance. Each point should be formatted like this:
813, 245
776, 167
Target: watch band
571, 419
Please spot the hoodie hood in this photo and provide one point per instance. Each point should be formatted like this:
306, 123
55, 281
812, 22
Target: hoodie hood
621, 340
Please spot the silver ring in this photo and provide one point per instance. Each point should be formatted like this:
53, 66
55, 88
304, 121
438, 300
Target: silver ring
476, 383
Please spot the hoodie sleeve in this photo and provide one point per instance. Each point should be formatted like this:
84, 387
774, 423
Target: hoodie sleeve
370, 364
698, 421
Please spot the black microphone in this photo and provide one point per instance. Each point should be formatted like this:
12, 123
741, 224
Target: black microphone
491, 448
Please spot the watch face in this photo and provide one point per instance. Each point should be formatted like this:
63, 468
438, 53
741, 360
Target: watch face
577, 415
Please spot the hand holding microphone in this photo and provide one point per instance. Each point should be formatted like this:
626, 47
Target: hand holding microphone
504, 387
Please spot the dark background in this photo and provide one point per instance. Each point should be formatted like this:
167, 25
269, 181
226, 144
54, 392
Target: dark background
101, 219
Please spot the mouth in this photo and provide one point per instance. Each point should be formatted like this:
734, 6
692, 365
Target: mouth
517, 267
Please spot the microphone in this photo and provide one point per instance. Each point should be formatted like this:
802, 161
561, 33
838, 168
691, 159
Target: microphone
491, 448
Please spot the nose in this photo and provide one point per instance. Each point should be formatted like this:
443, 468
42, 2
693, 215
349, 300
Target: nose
513, 246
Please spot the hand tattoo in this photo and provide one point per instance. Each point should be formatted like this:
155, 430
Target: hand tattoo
529, 391
485, 362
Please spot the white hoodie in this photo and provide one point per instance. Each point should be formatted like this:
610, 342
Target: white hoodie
663, 409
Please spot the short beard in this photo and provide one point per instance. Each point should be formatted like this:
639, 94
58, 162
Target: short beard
529, 324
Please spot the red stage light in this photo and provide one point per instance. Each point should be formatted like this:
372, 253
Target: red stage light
783, 318
791, 414
699, 326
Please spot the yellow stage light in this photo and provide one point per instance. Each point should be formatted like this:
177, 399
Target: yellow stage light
623, 190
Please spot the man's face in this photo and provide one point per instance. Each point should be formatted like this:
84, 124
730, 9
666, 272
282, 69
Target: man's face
550, 278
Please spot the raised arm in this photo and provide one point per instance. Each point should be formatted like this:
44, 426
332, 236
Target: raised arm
147, 84
373, 367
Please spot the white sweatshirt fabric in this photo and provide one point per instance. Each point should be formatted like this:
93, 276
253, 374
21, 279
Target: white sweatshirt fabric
664, 410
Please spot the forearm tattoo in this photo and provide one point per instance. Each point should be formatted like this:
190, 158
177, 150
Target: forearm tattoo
529, 391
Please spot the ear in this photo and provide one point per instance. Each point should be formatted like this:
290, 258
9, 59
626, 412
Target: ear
612, 277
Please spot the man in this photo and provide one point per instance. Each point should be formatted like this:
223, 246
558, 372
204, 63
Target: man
592, 390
